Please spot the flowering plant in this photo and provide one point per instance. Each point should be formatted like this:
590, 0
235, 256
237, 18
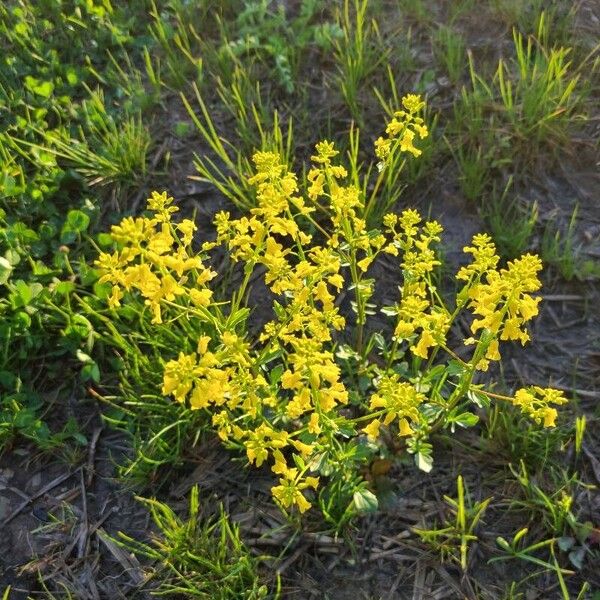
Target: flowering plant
314, 393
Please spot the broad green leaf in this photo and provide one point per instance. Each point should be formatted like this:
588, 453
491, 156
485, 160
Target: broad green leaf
424, 462
365, 501
41, 88
5, 270
77, 220
466, 419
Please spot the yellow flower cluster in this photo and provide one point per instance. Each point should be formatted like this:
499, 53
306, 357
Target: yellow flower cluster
535, 402
501, 298
398, 400
308, 278
289, 491
402, 129
154, 257
203, 374
420, 318
344, 205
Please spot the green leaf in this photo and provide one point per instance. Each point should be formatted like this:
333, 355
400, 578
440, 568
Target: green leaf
64, 287
275, 374
455, 368
239, 316
5, 270
466, 419
77, 221
90, 371
520, 534
24, 293
478, 398
424, 462
104, 240
41, 88
12, 256
346, 352
566, 543
503, 544
577, 557
365, 501
181, 129
83, 357
379, 341
71, 75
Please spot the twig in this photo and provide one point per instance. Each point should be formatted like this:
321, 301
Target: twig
92, 455
562, 297
292, 559
37, 495
129, 562
85, 526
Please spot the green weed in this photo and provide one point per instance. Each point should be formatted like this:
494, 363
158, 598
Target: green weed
474, 171
560, 250
449, 50
416, 9
526, 16
55, 134
452, 540
228, 169
511, 222
506, 438
539, 93
174, 33
106, 152
358, 53
200, 557
263, 31
553, 510
517, 549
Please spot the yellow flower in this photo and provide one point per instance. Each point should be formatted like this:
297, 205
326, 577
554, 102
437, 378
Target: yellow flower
114, 300
160, 204
200, 297
382, 147
179, 376
261, 440
501, 298
426, 341
313, 424
321, 293
161, 242
406, 143
400, 399
404, 428
484, 255
187, 227
300, 404
401, 130
413, 103
535, 402
325, 152
131, 231
336, 281
364, 264
304, 449
290, 380
289, 491
317, 183
280, 465
372, 429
